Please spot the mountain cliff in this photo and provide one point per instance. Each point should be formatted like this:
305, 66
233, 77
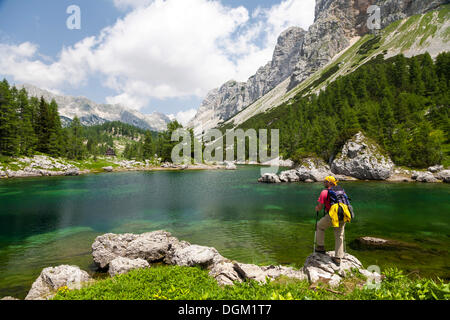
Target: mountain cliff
299, 54
91, 113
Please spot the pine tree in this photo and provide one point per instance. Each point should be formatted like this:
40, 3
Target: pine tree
148, 147
9, 144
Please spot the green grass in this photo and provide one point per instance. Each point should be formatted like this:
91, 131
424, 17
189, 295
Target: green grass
184, 283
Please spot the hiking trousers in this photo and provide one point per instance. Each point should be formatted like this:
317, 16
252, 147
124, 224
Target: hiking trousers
326, 223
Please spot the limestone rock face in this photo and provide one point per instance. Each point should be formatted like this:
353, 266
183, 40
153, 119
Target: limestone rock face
51, 279
121, 265
222, 103
151, 247
320, 267
363, 159
299, 53
338, 21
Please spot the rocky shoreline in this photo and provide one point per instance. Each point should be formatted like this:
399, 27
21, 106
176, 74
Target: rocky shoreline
360, 159
45, 166
121, 253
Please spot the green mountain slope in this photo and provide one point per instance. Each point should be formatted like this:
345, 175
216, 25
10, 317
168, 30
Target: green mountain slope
402, 103
412, 36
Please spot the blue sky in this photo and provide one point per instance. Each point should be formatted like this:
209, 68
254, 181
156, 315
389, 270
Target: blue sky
199, 45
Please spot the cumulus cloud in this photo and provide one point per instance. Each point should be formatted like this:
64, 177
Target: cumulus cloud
164, 49
183, 117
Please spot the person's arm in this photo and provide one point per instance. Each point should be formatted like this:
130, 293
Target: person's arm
319, 207
321, 201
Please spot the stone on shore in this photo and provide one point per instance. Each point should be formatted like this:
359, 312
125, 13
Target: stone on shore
321, 268
108, 169
51, 279
363, 159
269, 178
9, 298
193, 255
436, 168
122, 253
121, 265
152, 247
230, 166
444, 176
426, 177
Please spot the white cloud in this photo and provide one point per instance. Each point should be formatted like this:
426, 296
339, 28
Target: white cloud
183, 117
163, 49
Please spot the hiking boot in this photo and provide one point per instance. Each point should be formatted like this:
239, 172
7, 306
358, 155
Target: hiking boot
336, 261
320, 249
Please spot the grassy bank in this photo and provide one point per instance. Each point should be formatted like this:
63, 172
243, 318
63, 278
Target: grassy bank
184, 283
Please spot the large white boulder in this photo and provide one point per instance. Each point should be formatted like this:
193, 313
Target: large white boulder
363, 159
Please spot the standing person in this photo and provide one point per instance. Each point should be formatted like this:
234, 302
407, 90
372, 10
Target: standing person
337, 215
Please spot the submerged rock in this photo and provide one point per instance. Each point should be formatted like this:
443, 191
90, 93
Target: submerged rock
372, 243
51, 279
123, 265
363, 159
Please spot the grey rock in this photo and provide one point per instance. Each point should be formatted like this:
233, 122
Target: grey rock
224, 273
262, 274
436, 168
373, 243
444, 175
108, 169
194, 255
72, 172
269, 178
51, 279
121, 265
230, 166
320, 268
152, 247
9, 298
91, 113
426, 177
289, 176
363, 159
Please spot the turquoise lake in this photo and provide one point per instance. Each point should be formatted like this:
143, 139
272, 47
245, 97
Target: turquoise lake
52, 221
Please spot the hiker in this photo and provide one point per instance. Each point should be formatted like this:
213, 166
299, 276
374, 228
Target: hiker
337, 214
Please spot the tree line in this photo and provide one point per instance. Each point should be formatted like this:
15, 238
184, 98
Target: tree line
29, 125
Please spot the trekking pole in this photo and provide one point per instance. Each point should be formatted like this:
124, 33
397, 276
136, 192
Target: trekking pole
315, 231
